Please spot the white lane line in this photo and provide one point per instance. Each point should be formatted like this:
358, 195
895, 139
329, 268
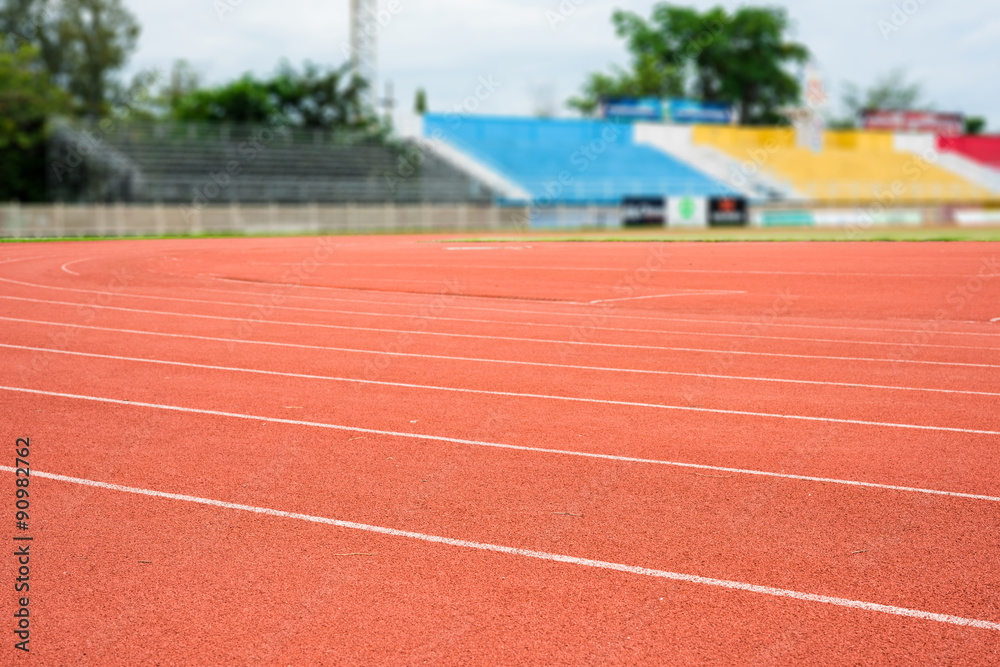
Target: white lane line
601, 315
626, 269
539, 555
666, 296
616, 315
544, 341
65, 267
510, 394
995, 319
588, 326
497, 445
417, 355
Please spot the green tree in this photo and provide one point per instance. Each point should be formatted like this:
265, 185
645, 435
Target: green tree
83, 43
245, 100
322, 98
742, 58
420, 102
890, 91
311, 98
649, 78
975, 125
27, 98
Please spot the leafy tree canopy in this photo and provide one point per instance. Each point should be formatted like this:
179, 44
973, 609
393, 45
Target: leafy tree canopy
27, 98
83, 43
741, 58
313, 98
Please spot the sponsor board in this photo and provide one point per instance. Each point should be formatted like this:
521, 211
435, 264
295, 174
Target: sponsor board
727, 211
695, 111
977, 217
791, 218
914, 121
859, 218
644, 211
687, 212
647, 108
838, 218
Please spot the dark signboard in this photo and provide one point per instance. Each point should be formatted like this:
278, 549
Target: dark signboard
644, 211
723, 211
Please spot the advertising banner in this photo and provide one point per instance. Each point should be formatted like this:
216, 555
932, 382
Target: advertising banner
695, 111
727, 212
914, 121
647, 109
687, 212
981, 217
643, 211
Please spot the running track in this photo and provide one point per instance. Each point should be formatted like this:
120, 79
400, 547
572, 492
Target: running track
399, 450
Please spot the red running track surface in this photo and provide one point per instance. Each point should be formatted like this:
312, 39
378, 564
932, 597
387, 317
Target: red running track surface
416, 449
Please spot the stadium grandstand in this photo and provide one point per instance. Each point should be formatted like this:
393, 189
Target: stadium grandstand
560, 172
223, 164
852, 166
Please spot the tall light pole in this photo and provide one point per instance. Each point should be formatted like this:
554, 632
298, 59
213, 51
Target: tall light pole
364, 45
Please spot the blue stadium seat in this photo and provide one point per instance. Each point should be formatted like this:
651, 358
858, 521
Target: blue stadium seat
571, 161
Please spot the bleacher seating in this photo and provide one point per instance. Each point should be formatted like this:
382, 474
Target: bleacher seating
854, 166
175, 161
982, 149
570, 161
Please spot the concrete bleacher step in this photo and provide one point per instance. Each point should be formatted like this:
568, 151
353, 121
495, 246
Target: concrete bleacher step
752, 180
567, 161
171, 162
927, 144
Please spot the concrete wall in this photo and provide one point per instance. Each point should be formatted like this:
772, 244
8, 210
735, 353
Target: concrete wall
57, 221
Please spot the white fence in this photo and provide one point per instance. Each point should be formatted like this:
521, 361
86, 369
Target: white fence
58, 221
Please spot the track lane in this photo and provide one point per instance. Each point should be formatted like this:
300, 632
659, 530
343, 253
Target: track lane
775, 535
755, 642
407, 603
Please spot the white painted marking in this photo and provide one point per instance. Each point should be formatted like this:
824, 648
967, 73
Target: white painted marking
65, 267
850, 385
510, 394
539, 555
614, 315
326, 311
665, 296
995, 319
627, 269
544, 341
479, 443
505, 310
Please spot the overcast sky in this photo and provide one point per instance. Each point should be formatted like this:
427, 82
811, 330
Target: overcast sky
445, 46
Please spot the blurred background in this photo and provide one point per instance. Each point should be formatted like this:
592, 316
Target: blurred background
127, 117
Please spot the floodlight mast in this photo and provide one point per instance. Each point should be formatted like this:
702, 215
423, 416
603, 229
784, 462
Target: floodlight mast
364, 45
